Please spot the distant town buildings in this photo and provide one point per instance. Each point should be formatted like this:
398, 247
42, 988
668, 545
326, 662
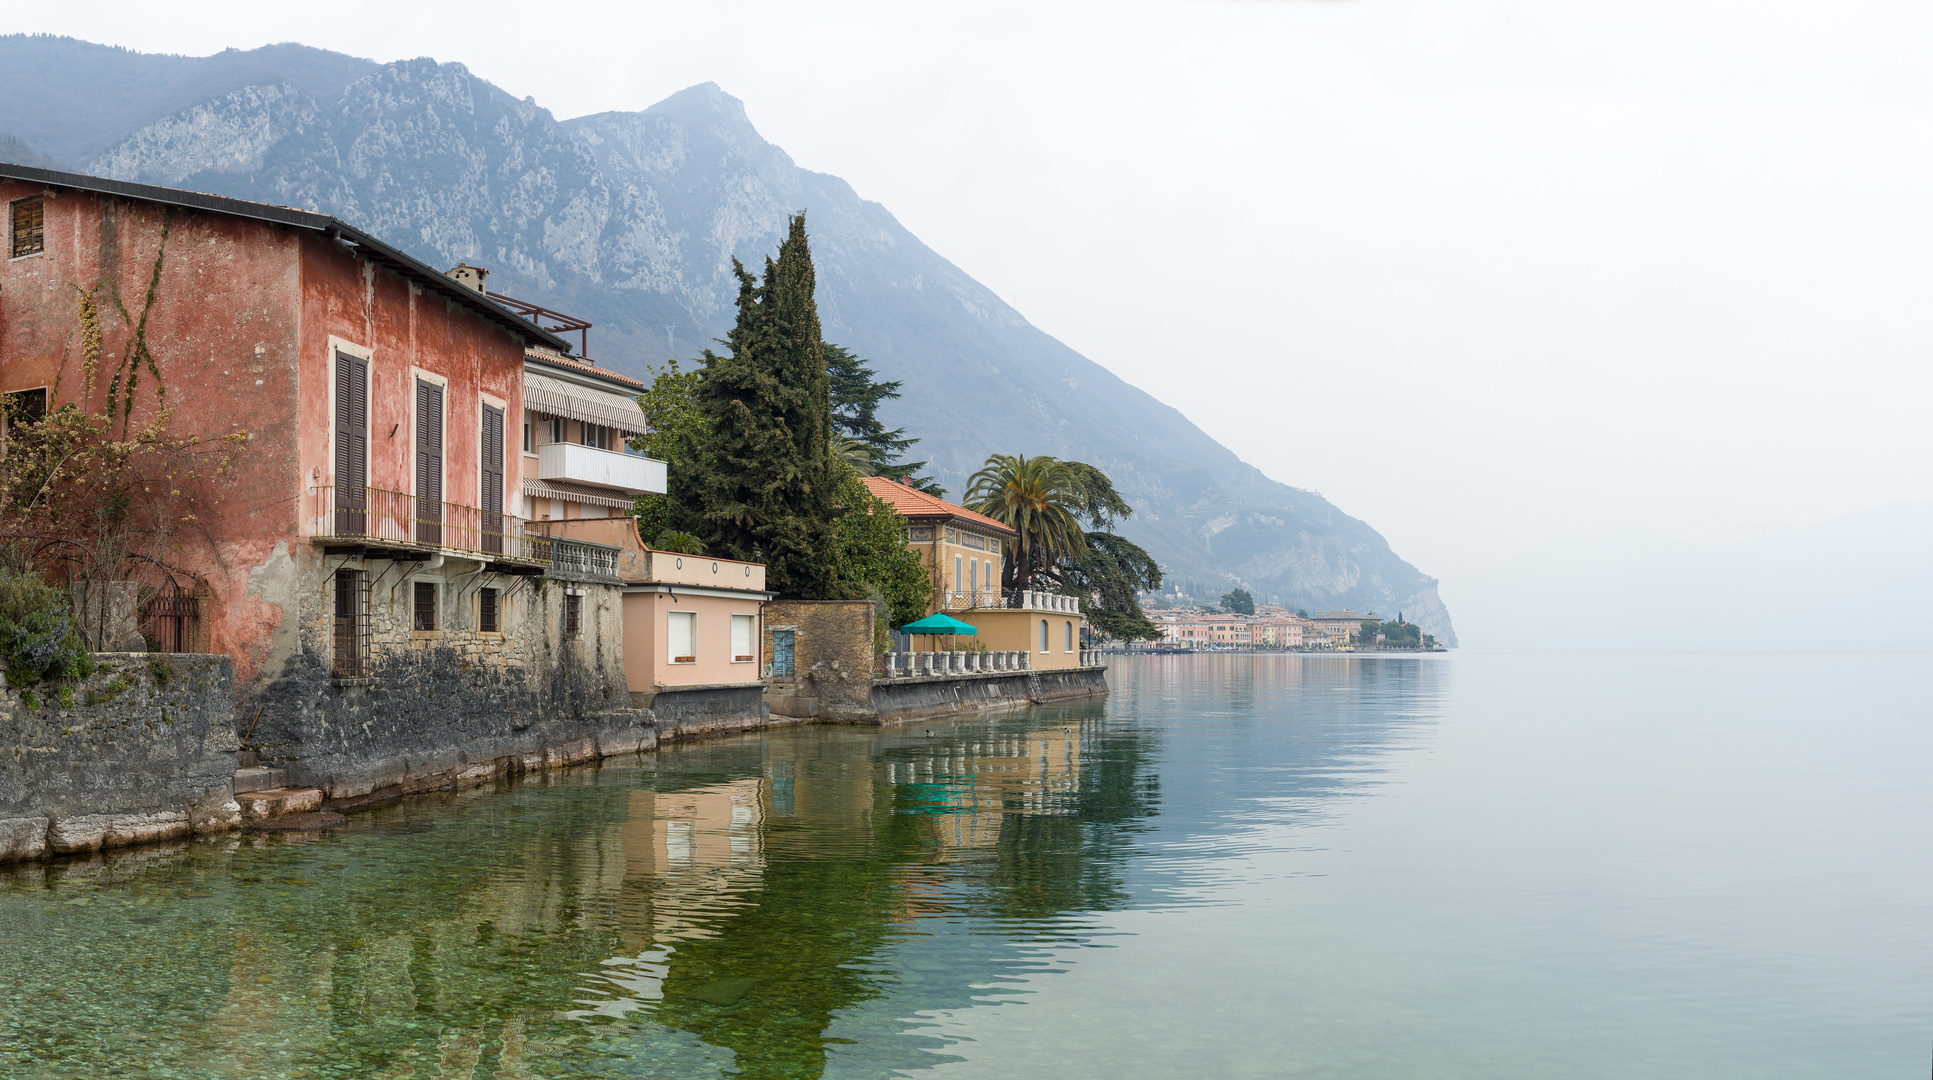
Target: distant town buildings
1271, 627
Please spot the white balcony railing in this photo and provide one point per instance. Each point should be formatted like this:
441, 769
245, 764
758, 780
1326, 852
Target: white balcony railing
605, 468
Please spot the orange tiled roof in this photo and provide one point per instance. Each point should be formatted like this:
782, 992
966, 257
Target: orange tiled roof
910, 503
561, 360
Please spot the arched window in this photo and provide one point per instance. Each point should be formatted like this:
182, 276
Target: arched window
1070, 637
1043, 635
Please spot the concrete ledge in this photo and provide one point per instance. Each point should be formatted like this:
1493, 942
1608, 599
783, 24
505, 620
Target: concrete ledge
685, 712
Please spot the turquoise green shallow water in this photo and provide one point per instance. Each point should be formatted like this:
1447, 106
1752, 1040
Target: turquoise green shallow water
1470, 865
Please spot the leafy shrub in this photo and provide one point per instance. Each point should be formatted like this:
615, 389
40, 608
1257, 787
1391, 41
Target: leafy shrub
38, 638
161, 670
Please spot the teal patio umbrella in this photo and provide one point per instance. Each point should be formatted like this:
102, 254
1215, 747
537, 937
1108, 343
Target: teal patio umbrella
938, 624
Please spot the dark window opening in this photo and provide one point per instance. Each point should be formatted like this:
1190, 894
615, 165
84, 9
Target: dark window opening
29, 227
488, 620
596, 436
23, 407
426, 594
573, 615
351, 624
529, 447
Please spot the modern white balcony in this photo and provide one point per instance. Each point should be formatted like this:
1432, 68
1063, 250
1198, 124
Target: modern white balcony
605, 468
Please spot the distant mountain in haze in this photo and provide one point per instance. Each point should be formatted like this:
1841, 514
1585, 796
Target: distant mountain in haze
631, 219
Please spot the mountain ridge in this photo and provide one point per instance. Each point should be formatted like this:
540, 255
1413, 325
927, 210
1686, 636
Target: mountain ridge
632, 220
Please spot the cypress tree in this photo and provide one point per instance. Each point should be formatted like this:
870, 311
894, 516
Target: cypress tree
763, 484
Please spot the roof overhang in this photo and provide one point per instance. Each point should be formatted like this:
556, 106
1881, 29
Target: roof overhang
364, 244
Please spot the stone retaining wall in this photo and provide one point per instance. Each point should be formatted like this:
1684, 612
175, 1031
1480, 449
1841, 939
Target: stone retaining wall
939, 695
685, 712
143, 750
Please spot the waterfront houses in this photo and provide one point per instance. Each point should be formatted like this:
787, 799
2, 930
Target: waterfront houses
425, 569
962, 550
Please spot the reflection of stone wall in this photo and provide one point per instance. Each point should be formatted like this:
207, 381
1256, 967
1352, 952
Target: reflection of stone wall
832, 659
142, 750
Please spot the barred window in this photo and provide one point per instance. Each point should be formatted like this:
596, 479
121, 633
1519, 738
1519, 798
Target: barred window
573, 614
426, 605
29, 227
488, 620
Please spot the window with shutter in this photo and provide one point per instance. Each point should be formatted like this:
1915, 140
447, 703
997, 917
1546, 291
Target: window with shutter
429, 462
352, 444
492, 456
742, 639
682, 634
29, 227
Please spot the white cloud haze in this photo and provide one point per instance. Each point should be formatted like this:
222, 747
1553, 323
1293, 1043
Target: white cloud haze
1488, 274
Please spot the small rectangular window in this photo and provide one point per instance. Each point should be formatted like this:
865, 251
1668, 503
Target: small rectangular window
573, 614
682, 635
488, 619
22, 407
529, 447
29, 227
556, 429
742, 639
425, 606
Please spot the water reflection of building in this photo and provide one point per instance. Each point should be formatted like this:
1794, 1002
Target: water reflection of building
966, 790
690, 854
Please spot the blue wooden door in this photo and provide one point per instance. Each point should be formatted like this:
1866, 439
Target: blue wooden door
782, 654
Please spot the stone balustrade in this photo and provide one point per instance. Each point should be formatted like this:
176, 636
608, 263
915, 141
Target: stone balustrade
925, 664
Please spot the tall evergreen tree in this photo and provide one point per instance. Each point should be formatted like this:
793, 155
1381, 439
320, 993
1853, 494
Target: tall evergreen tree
856, 397
764, 481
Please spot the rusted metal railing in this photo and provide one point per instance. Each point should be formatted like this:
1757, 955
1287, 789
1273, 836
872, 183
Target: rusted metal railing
372, 515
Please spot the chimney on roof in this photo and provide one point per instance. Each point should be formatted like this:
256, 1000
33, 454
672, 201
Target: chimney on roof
470, 277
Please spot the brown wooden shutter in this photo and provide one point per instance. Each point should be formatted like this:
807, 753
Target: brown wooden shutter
429, 462
352, 443
492, 456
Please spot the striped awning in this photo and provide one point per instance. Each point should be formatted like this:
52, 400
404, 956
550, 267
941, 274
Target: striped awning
555, 397
577, 493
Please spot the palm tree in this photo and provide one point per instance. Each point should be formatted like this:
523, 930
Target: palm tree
1037, 497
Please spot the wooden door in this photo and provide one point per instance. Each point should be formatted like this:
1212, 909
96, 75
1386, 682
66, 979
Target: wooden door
350, 494
429, 463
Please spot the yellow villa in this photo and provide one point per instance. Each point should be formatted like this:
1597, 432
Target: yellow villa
962, 551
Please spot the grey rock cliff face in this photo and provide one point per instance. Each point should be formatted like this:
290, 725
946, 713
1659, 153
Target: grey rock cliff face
632, 220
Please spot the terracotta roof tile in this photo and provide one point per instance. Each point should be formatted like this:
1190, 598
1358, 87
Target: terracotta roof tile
574, 363
911, 503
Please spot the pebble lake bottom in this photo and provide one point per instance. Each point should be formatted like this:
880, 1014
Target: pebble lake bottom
1578, 865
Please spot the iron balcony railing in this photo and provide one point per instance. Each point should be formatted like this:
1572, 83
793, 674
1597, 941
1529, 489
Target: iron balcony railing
579, 559
374, 516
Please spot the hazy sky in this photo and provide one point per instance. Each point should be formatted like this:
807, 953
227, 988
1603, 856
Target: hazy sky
1483, 272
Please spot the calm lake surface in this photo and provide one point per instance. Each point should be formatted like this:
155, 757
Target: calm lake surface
1473, 865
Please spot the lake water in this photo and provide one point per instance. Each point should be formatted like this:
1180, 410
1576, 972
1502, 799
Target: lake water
1468, 865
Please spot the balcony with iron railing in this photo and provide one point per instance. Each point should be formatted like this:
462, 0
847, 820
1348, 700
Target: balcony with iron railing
374, 519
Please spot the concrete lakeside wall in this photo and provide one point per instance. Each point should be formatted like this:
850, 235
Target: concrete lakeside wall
151, 758
939, 695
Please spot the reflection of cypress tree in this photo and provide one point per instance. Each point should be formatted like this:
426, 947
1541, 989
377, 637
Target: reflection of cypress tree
768, 985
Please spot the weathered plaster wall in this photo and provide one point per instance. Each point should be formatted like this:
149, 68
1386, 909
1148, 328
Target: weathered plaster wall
152, 757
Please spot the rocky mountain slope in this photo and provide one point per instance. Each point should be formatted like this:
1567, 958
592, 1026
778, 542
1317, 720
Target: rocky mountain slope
631, 219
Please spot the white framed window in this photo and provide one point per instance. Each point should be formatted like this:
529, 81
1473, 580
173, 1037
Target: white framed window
556, 429
1043, 635
959, 578
1070, 637
681, 633
742, 652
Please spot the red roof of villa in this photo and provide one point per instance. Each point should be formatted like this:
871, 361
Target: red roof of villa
910, 502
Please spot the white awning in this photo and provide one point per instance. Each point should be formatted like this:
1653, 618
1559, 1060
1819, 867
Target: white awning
551, 489
555, 397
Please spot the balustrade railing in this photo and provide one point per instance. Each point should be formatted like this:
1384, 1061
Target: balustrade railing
372, 515
581, 559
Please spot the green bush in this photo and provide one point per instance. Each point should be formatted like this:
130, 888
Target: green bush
38, 638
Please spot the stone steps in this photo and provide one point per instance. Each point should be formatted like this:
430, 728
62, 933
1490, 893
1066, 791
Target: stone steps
268, 804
